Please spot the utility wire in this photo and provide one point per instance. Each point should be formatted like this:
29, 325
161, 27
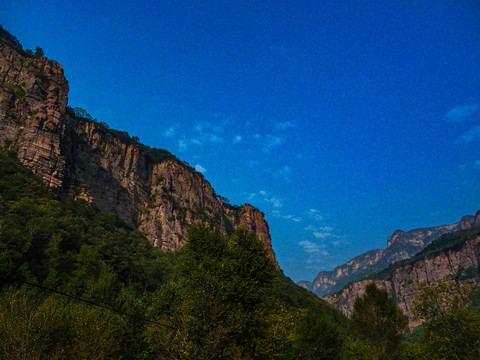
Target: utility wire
92, 303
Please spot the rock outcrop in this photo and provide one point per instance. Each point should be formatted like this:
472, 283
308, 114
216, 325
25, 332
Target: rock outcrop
149, 188
459, 261
400, 245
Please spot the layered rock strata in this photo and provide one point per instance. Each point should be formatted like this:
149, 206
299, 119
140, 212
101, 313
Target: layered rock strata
148, 188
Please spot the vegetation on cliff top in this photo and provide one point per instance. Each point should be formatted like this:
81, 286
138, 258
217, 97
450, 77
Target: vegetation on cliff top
152, 154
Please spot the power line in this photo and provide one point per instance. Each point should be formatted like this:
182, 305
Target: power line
91, 303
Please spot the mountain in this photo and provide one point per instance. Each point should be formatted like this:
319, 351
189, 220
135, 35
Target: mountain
148, 188
89, 283
452, 256
400, 245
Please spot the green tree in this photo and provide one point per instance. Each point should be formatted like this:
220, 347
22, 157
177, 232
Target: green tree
36, 327
218, 308
452, 329
378, 321
317, 338
39, 51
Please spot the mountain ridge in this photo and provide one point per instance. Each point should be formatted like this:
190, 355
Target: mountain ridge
400, 245
452, 256
149, 188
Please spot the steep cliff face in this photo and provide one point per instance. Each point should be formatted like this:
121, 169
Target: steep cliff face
149, 188
33, 97
400, 245
459, 261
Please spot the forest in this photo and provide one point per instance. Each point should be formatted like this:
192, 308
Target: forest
79, 283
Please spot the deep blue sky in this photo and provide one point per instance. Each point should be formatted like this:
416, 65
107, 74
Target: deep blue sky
341, 120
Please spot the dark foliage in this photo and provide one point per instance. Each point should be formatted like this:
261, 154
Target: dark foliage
5, 35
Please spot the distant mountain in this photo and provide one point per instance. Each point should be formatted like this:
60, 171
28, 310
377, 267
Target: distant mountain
400, 245
148, 188
452, 256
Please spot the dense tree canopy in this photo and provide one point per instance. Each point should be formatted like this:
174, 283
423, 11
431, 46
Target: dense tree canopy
452, 316
377, 319
85, 282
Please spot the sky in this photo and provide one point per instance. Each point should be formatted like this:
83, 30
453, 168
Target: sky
341, 120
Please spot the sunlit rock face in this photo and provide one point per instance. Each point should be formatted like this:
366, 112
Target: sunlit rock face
460, 262
156, 193
400, 245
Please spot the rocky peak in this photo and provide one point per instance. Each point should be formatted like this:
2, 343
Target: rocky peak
459, 261
396, 234
400, 245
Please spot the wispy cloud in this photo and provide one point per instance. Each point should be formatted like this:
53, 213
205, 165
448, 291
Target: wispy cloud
284, 172
311, 247
471, 135
200, 168
275, 201
206, 132
293, 218
237, 139
315, 215
170, 132
321, 235
285, 126
272, 142
462, 113
182, 146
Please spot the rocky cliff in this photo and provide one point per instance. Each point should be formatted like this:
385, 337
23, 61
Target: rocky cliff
149, 188
454, 256
400, 245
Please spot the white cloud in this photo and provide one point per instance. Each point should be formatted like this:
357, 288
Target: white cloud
170, 132
320, 232
311, 247
470, 135
321, 235
237, 139
200, 168
284, 172
291, 217
315, 215
272, 142
325, 228
285, 126
275, 201
462, 113
214, 138
276, 213
207, 133
182, 146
